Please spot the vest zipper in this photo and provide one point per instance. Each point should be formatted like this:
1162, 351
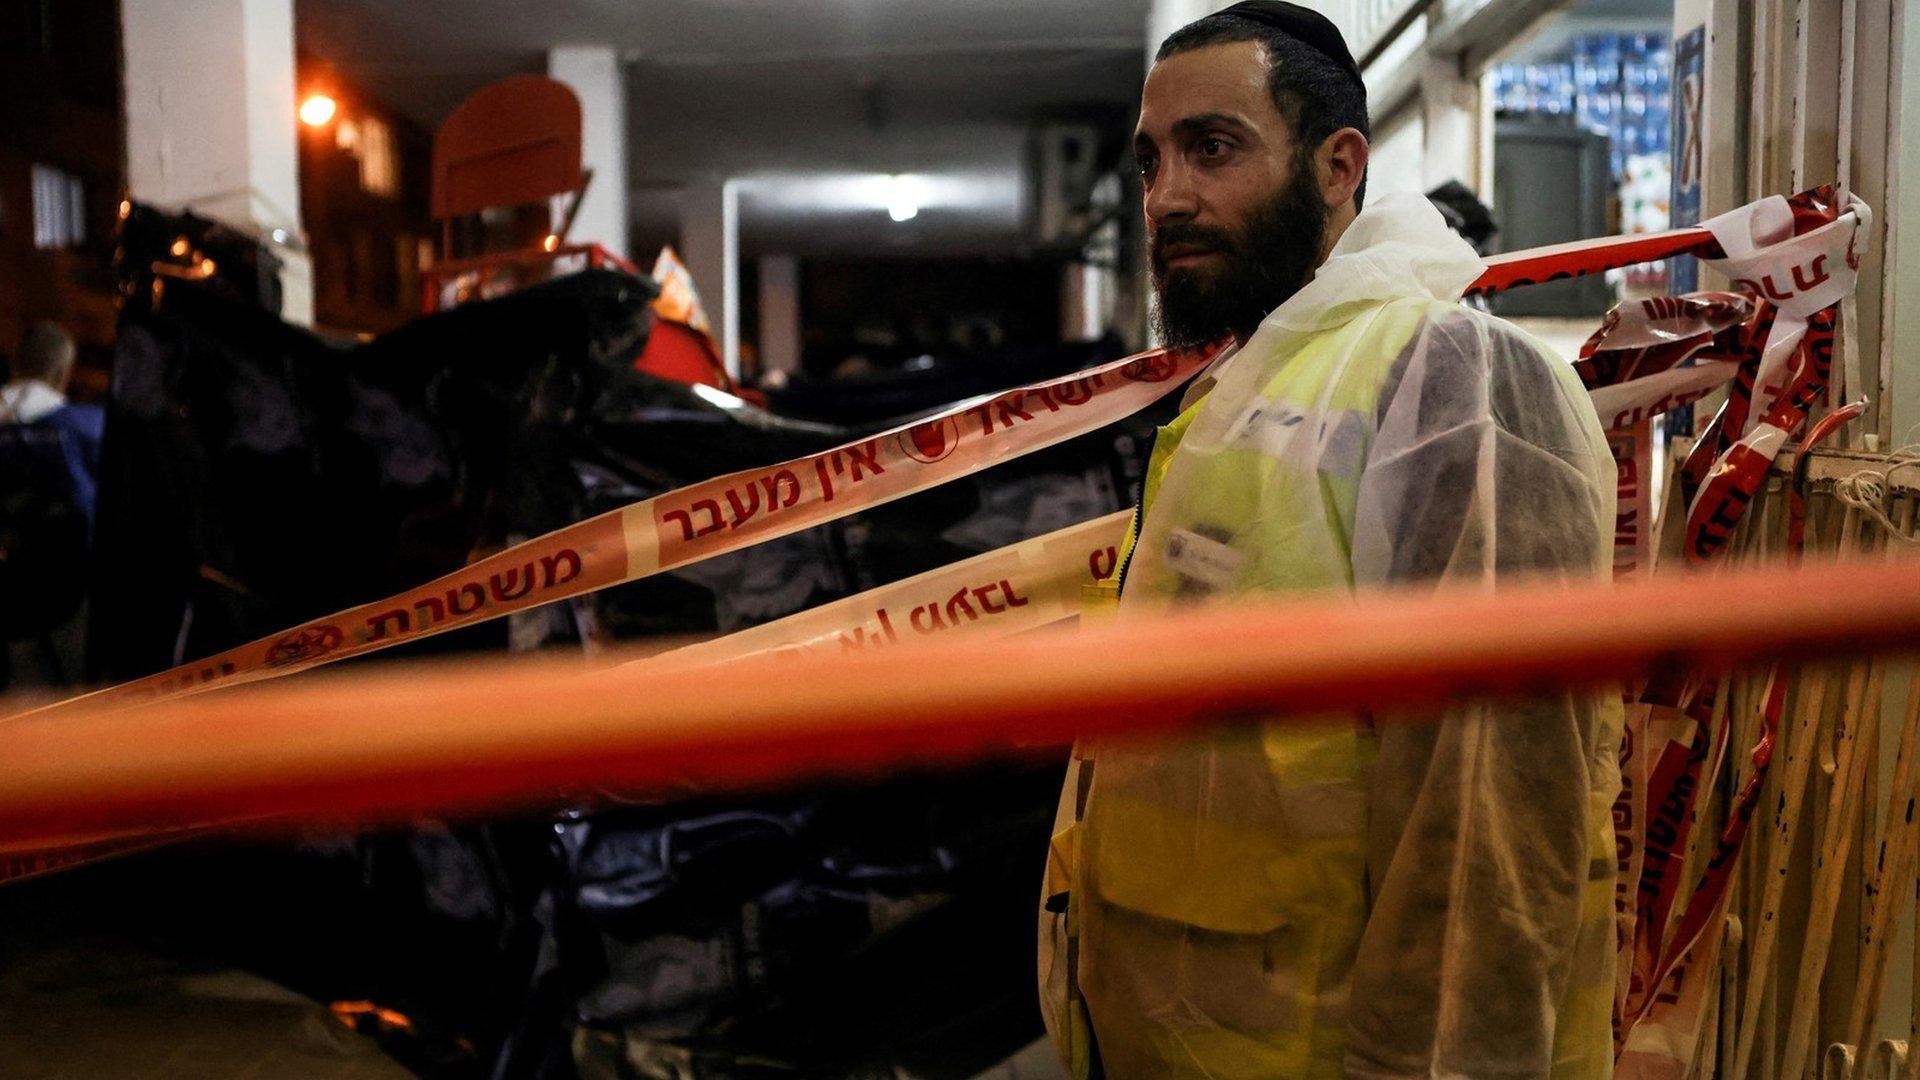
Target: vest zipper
1139, 511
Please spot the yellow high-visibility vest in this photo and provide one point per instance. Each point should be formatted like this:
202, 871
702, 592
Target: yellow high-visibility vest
1206, 897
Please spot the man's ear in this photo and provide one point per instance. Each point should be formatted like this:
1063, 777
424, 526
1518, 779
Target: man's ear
1342, 164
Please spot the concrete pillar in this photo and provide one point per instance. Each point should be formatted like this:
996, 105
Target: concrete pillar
779, 314
1903, 219
210, 121
1451, 118
1079, 302
1089, 292
710, 244
595, 74
1901, 424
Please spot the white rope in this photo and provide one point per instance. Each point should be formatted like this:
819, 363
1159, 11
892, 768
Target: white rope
1866, 491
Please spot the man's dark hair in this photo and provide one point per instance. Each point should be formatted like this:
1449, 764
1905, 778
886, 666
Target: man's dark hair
1317, 96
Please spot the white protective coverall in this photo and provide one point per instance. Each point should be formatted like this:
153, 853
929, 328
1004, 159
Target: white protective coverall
1355, 898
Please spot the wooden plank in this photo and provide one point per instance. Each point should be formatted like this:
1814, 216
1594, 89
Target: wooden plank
1826, 466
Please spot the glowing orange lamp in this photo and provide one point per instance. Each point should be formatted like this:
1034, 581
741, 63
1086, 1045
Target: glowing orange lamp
317, 110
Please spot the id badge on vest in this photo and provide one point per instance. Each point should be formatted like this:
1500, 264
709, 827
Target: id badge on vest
1202, 564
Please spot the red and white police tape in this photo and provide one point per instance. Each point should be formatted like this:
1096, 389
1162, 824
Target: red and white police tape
1012, 590
1798, 260
696, 522
1795, 260
735, 511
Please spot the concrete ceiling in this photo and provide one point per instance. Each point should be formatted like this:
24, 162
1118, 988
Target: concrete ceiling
1552, 39
795, 96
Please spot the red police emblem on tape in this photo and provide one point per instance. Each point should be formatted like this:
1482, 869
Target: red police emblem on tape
931, 441
304, 644
1153, 367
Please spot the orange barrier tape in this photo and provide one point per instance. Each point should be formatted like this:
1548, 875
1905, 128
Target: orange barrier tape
466, 738
696, 522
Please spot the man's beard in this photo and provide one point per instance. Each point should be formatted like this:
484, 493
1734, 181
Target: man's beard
1259, 266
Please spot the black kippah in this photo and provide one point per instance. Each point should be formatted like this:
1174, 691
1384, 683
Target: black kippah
1305, 25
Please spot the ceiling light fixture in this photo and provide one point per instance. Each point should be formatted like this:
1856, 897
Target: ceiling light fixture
317, 110
903, 197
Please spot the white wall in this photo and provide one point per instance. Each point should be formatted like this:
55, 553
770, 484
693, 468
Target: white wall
1399, 148
1166, 16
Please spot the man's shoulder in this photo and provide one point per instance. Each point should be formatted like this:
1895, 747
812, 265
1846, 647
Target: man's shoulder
1453, 335
1455, 318
1454, 346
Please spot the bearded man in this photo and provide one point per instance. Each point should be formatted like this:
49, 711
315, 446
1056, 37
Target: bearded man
1426, 897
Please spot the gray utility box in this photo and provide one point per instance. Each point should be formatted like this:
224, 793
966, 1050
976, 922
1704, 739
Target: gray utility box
1550, 185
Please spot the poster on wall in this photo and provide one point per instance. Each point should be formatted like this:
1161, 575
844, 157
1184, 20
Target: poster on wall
1689, 83
1689, 138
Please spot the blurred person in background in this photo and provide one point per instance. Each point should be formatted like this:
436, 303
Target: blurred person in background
49, 459
36, 386
1426, 897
